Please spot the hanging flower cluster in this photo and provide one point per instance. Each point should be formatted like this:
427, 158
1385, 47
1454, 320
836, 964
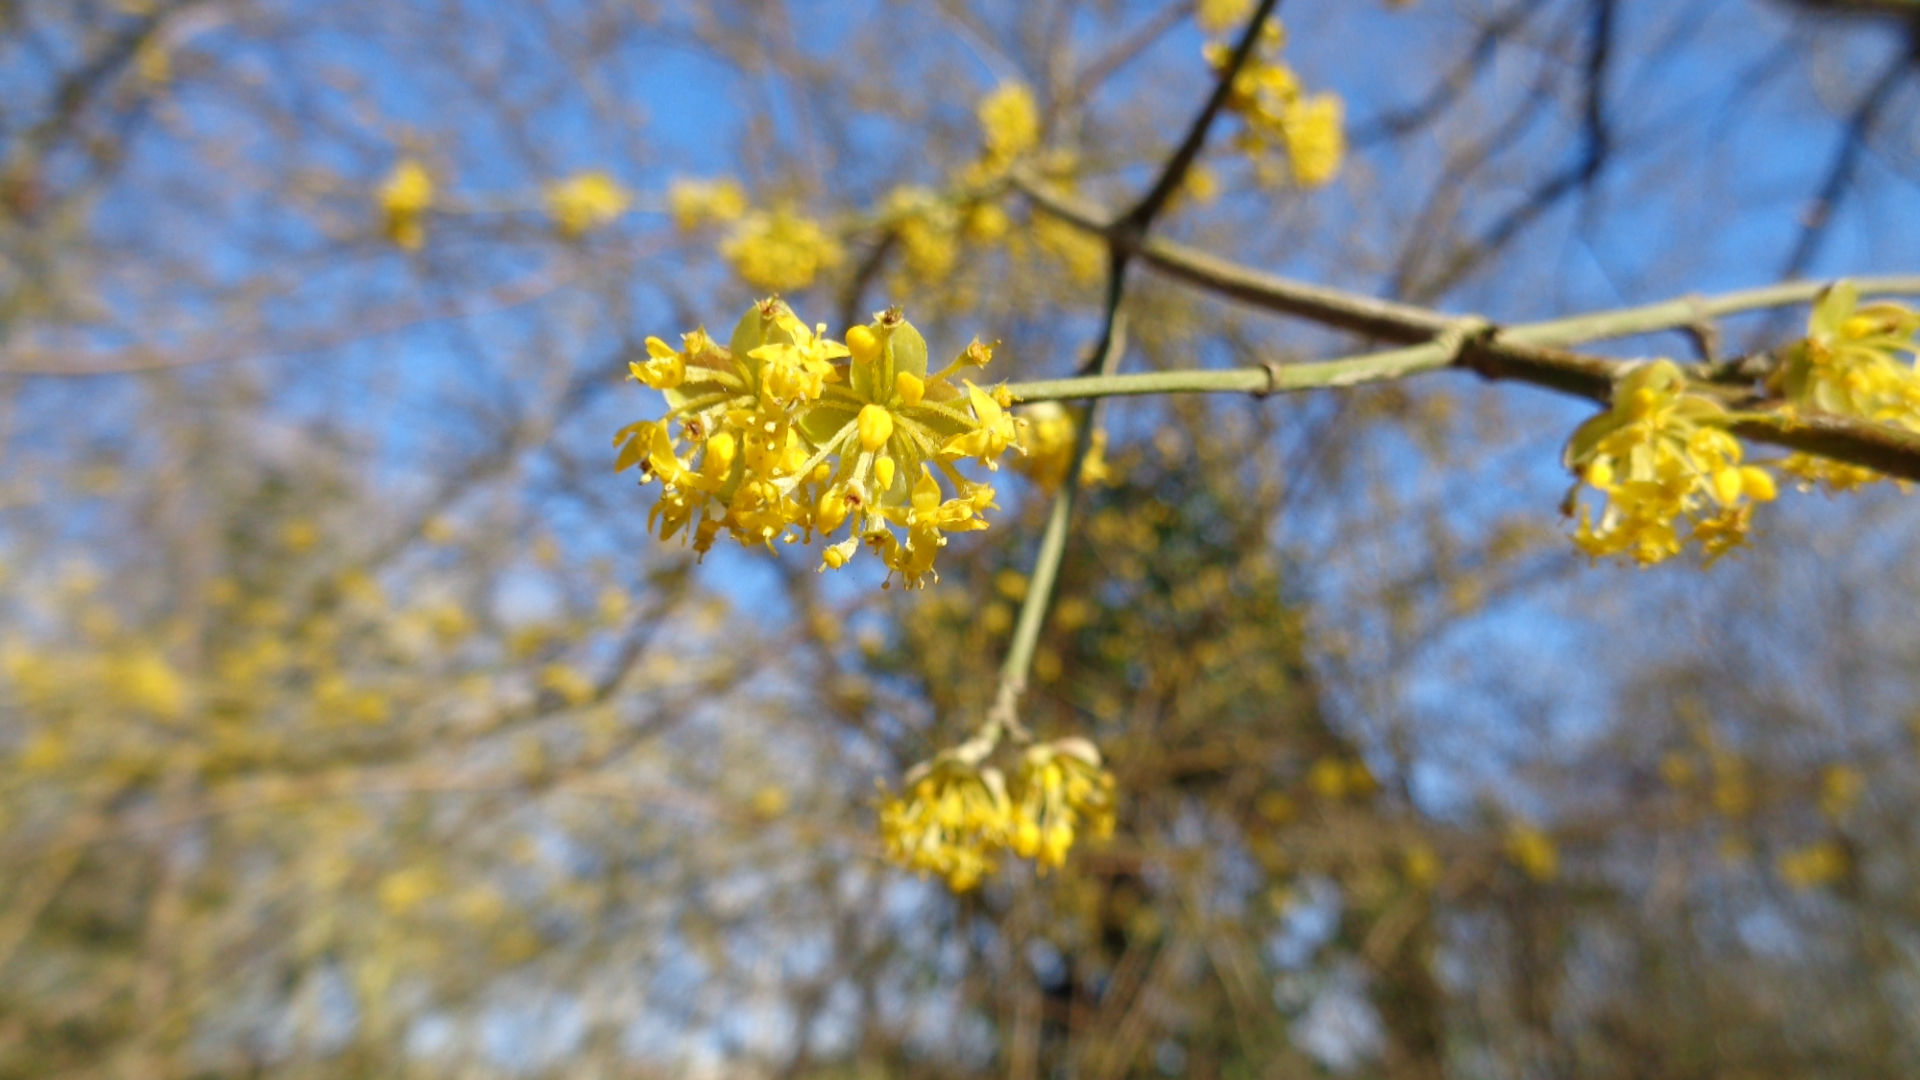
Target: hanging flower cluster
1283, 120
782, 434
957, 816
1857, 360
1660, 456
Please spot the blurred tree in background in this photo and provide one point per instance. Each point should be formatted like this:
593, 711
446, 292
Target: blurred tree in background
353, 724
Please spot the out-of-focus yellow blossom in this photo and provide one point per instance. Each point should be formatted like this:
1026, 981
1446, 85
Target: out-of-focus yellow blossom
1840, 788
1678, 770
1328, 778
776, 439
1009, 124
1421, 865
954, 818
985, 222
153, 61
1732, 785
1281, 119
928, 230
780, 251
1048, 440
1858, 361
1277, 807
1533, 852
769, 802
1315, 133
403, 891
697, 203
1060, 791
1084, 256
145, 679
405, 197
1659, 456
1816, 864
573, 687
581, 203
1220, 16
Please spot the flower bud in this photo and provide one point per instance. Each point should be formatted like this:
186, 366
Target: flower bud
876, 427
910, 388
864, 346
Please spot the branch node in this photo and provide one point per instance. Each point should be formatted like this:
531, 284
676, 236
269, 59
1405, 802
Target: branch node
1272, 368
1461, 336
1701, 329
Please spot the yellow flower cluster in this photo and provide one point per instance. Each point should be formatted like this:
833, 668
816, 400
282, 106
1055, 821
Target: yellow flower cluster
1220, 16
1659, 455
1533, 851
780, 251
928, 229
1048, 440
585, 202
957, 816
1820, 863
1856, 361
1009, 124
1309, 130
783, 433
404, 198
697, 203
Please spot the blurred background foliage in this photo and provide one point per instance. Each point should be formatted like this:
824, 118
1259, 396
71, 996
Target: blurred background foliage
352, 725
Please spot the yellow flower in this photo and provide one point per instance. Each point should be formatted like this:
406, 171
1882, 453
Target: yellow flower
1316, 139
953, 818
1009, 123
1659, 456
1220, 16
928, 231
1816, 864
735, 456
1060, 790
777, 438
1840, 788
585, 202
1421, 865
1279, 115
404, 199
781, 251
1533, 852
695, 203
1048, 439
1851, 364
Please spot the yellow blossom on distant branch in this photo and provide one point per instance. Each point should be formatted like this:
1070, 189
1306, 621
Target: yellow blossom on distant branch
1220, 16
781, 251
1816, 864
1281, 118
1049, 440
585, 202
695, 203
1534, 852
1009, 123
404, 198
1316, 138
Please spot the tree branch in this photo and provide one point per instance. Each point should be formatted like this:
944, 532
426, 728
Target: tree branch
1532, 353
